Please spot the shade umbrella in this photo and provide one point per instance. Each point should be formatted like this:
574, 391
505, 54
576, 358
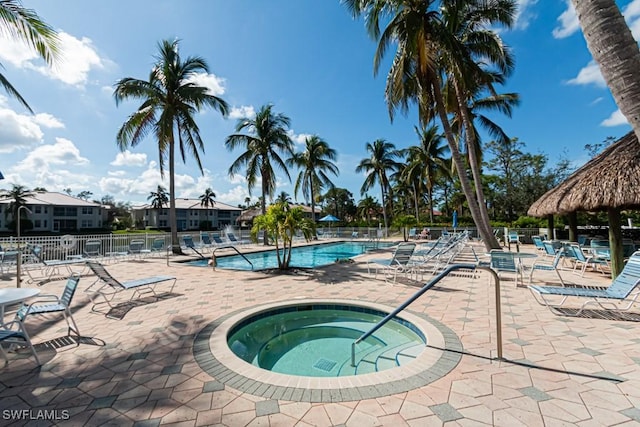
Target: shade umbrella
455, 220
608, 182
329, 218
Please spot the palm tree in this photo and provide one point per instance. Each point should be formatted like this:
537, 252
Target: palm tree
158, 199
382, 160
25, 25
616, 51
425, 162
435, 41
266, 139
613, 47
314, 163
207, 199
284, 198
18, 196
169, 101
367, 206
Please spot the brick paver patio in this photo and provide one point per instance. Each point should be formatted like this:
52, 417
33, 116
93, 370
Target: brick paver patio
141, 370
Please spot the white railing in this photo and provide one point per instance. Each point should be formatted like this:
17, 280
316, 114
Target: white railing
73, 245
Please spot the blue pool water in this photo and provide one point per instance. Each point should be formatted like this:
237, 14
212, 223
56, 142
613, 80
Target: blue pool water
315, 340
302, 256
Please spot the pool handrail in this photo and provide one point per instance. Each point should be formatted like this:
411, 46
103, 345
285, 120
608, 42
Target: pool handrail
424, 289
237, 251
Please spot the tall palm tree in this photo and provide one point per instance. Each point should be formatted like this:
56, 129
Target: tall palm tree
613, 47
425, 162
18, 196
381, 162
170, 100
158, 199
208, 199
266, 139
25, 25
314, 163
616, 51
436, 41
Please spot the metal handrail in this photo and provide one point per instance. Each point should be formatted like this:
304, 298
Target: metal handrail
424, 289
237, 251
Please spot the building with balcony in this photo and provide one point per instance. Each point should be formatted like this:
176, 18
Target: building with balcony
55, 212
189, 213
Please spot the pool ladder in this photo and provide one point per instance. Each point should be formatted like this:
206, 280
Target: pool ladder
237, 251
424, 289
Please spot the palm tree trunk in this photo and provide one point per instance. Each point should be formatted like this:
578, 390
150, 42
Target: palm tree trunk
488, 238
264, 210
384, 208
474, 162
173, 220
614, 49
415, 201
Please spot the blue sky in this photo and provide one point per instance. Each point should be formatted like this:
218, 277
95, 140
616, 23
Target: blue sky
309, 58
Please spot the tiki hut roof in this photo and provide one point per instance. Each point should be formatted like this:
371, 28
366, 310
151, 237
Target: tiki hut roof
249, 214
611, 179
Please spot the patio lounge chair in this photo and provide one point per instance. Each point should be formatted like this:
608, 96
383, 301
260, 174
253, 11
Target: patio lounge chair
54, 304
8, 261
111, 286
190, 244
398, 263
619, 296
580, 258
13, 332
505, 262
545, 265
157, 247
232, 238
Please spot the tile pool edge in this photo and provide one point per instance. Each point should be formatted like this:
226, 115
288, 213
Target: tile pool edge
213, 355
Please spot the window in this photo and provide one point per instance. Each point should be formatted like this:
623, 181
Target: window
37, 209
86, 223
46, 209
87, 211
224, 214
162, 223
36, 223
45, 223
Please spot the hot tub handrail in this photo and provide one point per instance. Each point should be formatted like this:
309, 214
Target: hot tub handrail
237, 251
424, 289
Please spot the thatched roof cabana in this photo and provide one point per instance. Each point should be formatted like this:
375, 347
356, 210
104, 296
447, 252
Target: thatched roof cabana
608, 182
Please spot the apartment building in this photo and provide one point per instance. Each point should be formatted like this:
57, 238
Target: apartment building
190, 214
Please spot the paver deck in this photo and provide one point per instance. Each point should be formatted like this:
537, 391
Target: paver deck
142, 371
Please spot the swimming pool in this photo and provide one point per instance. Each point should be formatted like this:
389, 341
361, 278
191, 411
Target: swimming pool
315, 340
302, 256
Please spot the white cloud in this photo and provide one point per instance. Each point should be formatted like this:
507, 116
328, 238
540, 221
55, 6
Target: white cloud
235, 196
116, 173
298, 138
596, 101
569, 23
77, 58
52, 166
48, 121
214, 83
524, 14
19, 131
244, 111
589, 75
127, 158
615, 119
236, 179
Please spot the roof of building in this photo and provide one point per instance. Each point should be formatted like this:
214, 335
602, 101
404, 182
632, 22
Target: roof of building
183, 203
54, 199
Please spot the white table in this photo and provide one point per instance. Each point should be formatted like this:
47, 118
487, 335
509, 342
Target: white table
10, 296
